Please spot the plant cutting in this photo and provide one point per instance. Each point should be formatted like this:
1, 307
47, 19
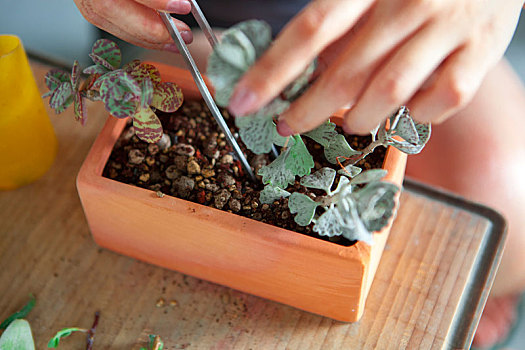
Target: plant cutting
306, 272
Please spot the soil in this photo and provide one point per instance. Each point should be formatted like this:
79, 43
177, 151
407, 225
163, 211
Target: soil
198, 165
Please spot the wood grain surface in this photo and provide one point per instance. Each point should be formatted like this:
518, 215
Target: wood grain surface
429, 290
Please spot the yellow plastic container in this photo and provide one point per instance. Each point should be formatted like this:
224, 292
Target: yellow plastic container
28, 144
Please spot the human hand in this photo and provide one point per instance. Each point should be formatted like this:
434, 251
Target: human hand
377, 55
136, 21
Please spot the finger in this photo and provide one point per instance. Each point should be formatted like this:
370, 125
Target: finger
314, 28
453, 88
351, 67
132, 22
401, 76
460, 76
181, 7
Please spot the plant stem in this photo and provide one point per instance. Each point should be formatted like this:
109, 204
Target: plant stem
91, 333
365, 152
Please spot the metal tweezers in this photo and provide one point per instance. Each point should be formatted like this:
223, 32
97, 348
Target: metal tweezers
205, 92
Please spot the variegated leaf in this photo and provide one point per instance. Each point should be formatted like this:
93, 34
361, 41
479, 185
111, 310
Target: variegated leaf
323, 134
223, 77
423, 130
80, 109
168, 97
276, 173
59, 99
350, 170
300, 161
147, 126
116, 88
95, 69
121, 109
369, 176
55, 77
272, 193
338, 147
17, 336
303, 206
107, 51
145, 70
99, 61
75, 74
147, 93
130, 66
322, 179
258, 134
405, 128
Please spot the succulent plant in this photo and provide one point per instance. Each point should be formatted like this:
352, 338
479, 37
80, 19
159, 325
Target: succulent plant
134, 91
361, 203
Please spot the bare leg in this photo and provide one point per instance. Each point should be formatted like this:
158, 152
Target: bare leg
480, 154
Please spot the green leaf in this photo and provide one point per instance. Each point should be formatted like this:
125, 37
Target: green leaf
321, 179
369, 176
304, 206
147, 126
17, 336
300, 161
66, 332
152, 339
20, 314
272, 193
168, 97
338, 147
276, 173
350, 170
104, 52
323, 134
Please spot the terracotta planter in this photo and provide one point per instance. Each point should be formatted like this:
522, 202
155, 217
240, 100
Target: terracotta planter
251, 256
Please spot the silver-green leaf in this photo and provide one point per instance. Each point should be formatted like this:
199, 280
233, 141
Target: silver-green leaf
338, 147
303, 206
321, 179
17, 336
272, 193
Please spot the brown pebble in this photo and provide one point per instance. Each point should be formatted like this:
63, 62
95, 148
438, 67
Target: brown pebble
209, 196
184, 150
163, 158
221, 198
180, 162
150, 160
173, 303
199, 178
153, 149
183, 186
255, 205
208, 173
172, 172
265, 207
135, 156
227, 159
234, 204
193, 167
144, 177
285, 215
201, 184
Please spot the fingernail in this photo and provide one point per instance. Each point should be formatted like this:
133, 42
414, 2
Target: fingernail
180, 7
171, 47
241, 102
187, 36
284, 129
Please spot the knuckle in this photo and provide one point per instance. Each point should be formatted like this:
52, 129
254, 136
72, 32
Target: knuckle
426, 6
311, 20
459, 92
392, 89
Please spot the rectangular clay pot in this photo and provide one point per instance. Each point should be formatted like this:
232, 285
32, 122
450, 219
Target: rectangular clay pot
244, 254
